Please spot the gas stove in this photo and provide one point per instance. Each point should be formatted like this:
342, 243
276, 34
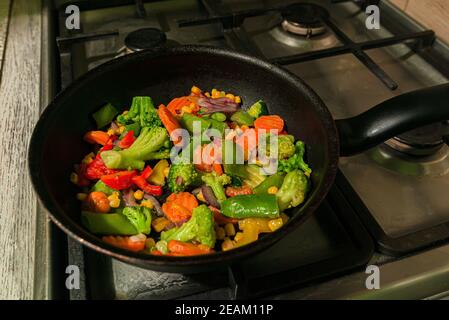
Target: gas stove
390, 197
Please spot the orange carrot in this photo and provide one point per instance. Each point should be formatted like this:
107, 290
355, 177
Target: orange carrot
169, 121
269, 122
175, 106
133, 243
99, 137
187, 249
179, 206
217, 168
97, 201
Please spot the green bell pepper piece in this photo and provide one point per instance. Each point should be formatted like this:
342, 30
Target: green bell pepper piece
187, 121
242, 118
274, 180
102, 187
105, 115
219, 116
107, 223
251, 206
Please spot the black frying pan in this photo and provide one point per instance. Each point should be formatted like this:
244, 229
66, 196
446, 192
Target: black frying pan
56, 144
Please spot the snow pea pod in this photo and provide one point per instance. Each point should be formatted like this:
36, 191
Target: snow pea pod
251, 206
107, 223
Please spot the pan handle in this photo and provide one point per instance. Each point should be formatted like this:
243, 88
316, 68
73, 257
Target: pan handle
392, 117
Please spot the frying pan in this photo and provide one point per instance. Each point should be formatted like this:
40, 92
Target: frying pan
56, 144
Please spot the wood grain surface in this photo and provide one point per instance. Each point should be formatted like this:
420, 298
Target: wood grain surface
19, 111
4, 19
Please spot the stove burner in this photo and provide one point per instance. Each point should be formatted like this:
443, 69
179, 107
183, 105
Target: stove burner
304, 19
143, 39
422, 141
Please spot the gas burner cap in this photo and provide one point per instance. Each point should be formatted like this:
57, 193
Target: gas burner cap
304, 19
143, 39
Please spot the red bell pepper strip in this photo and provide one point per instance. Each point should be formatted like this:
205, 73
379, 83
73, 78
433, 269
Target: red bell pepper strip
96, 169
146, 173
119, 180
141, 183
127, 140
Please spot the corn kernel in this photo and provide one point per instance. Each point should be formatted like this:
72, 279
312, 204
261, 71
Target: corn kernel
114, 200
195, 90
238, 236
230, 230
149, 243
237, 99
159, 224
207, 94
227, 244
214, 91
222, 94
272, 190
74, 178
147, 203
138, 194
220, 233
275, 224
110, 132
307, 174
244, 127
81, 196
200, 197
125, 112
230, 96
166, 171
121, 129
186, 109
88, 158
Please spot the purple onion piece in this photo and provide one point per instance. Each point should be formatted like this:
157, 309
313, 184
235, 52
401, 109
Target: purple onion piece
156, 204
209, 196
210, 105
128, 196
114, 126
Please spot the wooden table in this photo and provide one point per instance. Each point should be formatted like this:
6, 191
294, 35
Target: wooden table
19, 110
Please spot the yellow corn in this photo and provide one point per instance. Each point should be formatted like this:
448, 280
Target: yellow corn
200, 197
207, 94
227, 244
125, 112
272, 190
244, 127
230, 230
230, 96
114, 200
186, 109
166, 171
275, 224
121, 129
238, 236
222, 94
195, 90
110, 132
214, 91
220, 233
74, 178
237, 99
138, 194
147, 203
159, 224
88, 158
81, 196
150, 243
307, 174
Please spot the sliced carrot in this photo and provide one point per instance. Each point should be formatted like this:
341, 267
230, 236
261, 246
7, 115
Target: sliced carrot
99, 137
187, 249
97, 201
133, 243
168, 120
175, 106
217, 169
269, 122
179, 206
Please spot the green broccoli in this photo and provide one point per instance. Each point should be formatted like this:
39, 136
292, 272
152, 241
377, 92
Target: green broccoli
143, 112
199, 228
296, 161
216, 183
150, 145
286, 146
293, 190
183, 175
140, 218
258, 109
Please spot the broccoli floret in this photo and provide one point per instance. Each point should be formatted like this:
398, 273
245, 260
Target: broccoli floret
254, 177
216, 183
258, 109
286, 146
181, 176
296, 161
199, 228
150, 145
293, 190
143, 112
140, 218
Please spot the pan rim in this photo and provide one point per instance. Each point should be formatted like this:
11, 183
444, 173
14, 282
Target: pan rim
81, 235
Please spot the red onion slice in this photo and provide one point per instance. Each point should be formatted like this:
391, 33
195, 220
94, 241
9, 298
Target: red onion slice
128, 196
156, 204
209, 196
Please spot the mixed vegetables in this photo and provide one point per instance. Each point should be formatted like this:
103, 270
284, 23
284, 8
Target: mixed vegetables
136, 197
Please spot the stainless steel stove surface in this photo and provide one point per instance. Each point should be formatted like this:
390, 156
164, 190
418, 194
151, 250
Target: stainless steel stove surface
404, 194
